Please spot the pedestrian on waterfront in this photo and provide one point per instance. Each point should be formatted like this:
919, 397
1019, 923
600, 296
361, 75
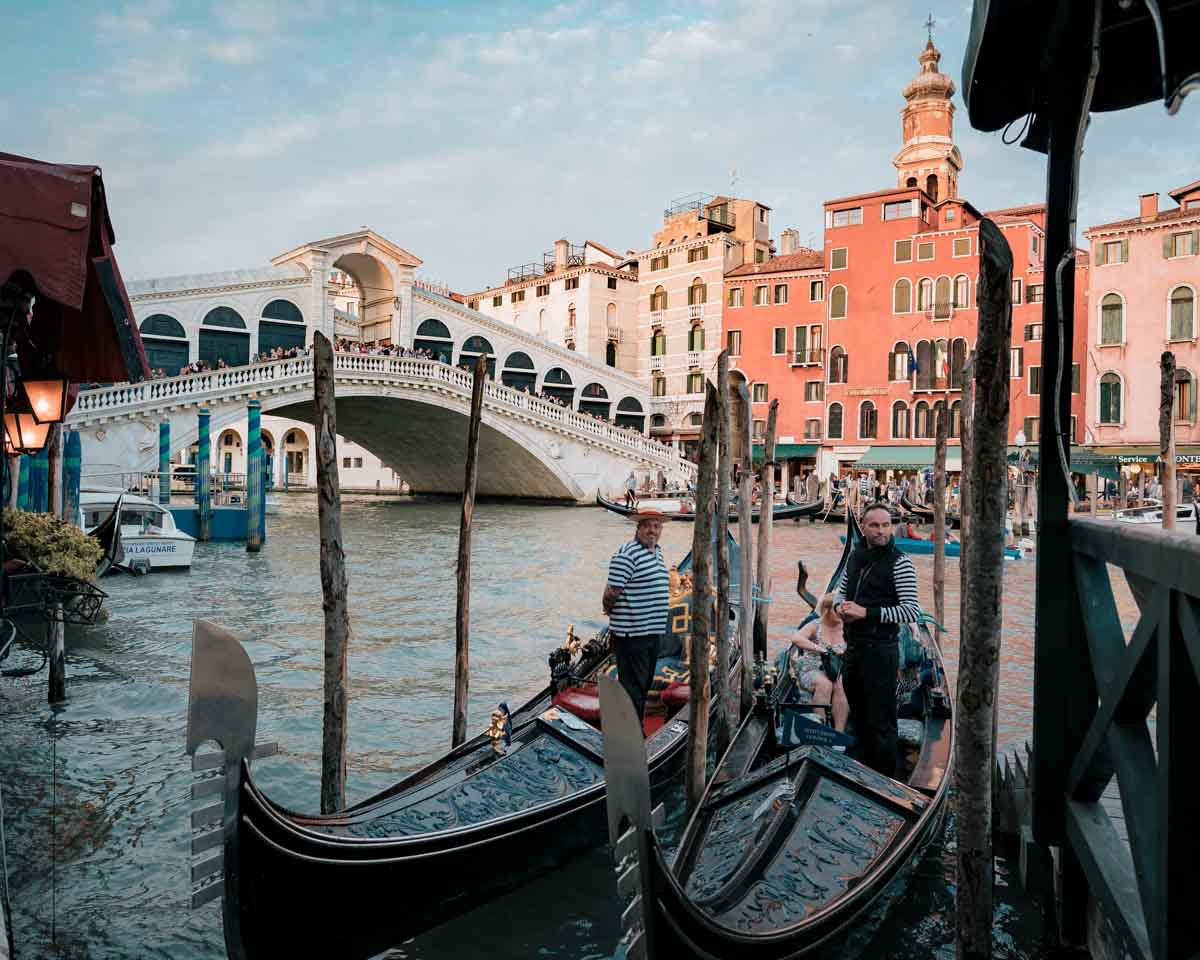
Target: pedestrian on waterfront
877, 593
636, 602
631, 490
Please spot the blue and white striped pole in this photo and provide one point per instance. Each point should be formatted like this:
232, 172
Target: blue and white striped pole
203, 491
164, 462
255, 506
72, 470
23, 484
39, 481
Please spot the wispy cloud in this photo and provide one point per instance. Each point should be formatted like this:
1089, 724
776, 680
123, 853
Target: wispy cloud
235, 50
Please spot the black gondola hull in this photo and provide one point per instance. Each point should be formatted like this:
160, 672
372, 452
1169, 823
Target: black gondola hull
787, 511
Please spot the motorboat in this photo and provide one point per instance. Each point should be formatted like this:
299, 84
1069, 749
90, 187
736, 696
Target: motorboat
1151, 512
149, 538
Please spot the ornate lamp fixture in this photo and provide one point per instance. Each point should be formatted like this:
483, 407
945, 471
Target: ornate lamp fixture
47, 394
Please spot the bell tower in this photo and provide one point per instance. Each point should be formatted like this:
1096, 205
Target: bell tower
929, 159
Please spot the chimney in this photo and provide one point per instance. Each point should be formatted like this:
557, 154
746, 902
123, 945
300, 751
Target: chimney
789, 241
560, 254
1149, 206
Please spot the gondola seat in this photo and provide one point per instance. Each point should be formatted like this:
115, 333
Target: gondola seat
583, 701
676, 695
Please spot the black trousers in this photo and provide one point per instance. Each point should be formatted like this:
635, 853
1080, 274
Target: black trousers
637, 656
869, 678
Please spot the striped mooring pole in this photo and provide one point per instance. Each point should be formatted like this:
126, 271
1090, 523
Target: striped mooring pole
39, 481
164, 462
72, 469
203, 489
255, 494
23, 484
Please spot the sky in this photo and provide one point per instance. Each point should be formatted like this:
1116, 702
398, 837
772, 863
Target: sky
474, 134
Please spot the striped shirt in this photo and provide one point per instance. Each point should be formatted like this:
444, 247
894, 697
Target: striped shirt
641, 576
909, 608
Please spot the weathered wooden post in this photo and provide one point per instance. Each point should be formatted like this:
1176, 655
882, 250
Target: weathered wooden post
203, 485
55, 625
23, 484
744, 452
255, 492
39, 478
462, 630
72, 467
54, 465
1166, 438
724, 718
14, 481
766, 520
940, 434
702, 601
966, 420
164, 462
983, 571
334, 583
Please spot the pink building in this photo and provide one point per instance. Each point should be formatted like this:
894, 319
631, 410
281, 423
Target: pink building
1144, 281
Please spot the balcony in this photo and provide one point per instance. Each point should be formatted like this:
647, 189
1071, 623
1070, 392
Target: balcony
807, 358
940, 310
696, 311
614, 332
930, 384
694, 358
656, 364
704, 206
658, 317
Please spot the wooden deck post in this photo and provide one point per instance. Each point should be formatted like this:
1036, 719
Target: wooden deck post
941, 433
1166, 438
766, 521
983, 585
702, 601
724, 717
462, 628
744, 452
334, 583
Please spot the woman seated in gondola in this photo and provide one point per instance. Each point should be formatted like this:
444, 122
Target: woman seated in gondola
820, 645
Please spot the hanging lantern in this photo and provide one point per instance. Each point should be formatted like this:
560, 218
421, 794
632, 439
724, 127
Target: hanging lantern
23, 434
47, 394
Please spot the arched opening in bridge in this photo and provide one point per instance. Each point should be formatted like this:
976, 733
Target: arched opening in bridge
268, 445
166, 343
518, 372
377, 295
281, 327
557, 384
229, 453
658, 424
630, 414
295, 456
472, 349
434, 336
224, 338
593, 399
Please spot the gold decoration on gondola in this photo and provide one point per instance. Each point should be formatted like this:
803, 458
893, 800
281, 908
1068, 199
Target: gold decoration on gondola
495, 732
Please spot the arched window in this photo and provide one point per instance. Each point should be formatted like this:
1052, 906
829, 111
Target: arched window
593, 399
229, 343
570, 316
899, 366
630, 414
658, 421
962, 291
925, 294
170, 353
837, 303
610, 317
958, 363
1183, 314
900, 429
697, 292
868, 421
281, 326
1185, 396
518, 372
902, 296
224, 317
1112, 319
910, 182
956, 418
658, 299
160, 325
941, 364
1110, 398
696, 337
474, 347
658, 343
834, 429
941, 299
925, 371
931, 186
557, 385
694, 420
610, 353
935, 411
284, 311
922, 424
839, 365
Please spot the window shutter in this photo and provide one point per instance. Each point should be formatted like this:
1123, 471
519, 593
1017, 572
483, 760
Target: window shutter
1028, 330
1124, 251
1100, 254
1168, 246
892, 365
1029, 293
1191, 410
1195, 242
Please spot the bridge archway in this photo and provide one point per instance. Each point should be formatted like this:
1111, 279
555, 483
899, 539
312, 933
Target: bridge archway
518, 371
474, 347
224, 337
377, 292
630, 414
594, 399
282, 326
166, 343
434, 336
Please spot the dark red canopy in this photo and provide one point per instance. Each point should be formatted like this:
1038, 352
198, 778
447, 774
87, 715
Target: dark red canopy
56, 242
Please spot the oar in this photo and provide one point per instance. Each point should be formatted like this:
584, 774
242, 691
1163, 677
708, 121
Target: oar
802, 585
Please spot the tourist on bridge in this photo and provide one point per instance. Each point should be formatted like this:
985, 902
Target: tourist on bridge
877, 593
635, 600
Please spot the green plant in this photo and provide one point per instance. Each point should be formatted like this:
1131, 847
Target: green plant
53, 545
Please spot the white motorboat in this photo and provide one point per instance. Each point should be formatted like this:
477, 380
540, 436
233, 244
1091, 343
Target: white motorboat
271, 505
149, 537
1151, 512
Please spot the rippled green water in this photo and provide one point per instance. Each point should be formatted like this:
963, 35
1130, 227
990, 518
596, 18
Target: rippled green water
113, 760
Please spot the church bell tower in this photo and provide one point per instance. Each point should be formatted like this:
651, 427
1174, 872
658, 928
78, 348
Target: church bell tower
929, 159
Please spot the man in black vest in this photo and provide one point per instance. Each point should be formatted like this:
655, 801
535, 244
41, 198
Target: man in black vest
878, 592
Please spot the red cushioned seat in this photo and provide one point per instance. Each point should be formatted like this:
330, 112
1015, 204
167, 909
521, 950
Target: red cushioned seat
583, 701
676, 695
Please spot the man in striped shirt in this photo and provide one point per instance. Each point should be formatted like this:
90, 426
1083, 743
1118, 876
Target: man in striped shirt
877, 593
635, 599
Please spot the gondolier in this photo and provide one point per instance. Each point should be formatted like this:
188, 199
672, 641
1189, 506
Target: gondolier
635, 599
878, 592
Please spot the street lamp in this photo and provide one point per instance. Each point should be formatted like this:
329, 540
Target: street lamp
47, 394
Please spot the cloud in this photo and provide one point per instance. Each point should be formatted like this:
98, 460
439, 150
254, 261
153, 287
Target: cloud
235, 50
261, 143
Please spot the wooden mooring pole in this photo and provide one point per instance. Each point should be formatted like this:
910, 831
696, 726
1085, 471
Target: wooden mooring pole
1166, 438
965, 423
766, 517
702, 599
983, 582
723, 732
462, 628
334, 583
744, 452
54, 625
940, 433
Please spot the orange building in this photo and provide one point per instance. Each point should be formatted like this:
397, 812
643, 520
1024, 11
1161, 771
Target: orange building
891, 300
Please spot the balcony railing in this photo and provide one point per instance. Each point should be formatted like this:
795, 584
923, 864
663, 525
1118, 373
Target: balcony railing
694, 358
657, 317
656, 363
696, 311
614, 332
808, 358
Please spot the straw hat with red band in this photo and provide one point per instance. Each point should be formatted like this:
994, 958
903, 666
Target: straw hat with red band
642, 516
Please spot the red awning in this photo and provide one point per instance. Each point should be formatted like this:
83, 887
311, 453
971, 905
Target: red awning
56, 242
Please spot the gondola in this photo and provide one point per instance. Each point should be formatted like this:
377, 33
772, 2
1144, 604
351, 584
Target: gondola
487, 817
952, 549
925, 514
785, 511
108, 534
794, 845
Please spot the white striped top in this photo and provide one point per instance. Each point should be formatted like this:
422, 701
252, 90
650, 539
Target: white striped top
641, 576
909, 608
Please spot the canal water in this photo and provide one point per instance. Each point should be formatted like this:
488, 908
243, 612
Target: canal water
95, 793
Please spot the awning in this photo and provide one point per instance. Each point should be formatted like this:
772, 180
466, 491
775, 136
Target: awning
905, 458
1091, 459
786, 451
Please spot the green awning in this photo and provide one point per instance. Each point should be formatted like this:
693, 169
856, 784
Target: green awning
905, 458
786, 451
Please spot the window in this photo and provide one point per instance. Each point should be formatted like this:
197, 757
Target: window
659, 263
346, 462
697, 293
837, 303
571, 283
1074, 378
1034, 293
899, 420
1035, 245
1181, 244
925, 294
902, 296
471, 305
697, 253
812, 429
958, 363
949, 215
543, 289
696, 337
760, 429
734, 298
1110, 398
903, 251
898, 362
942, 303
868, 421
1112, 251
839, 258
658, 344
1016, 363
498, 300
923, 421
760, 295
814, 391
760, 255
807, 344
839, 365
843, 218
758, 393
1183, 306
962, 292
1016, 298
1112, 319
1185, 396
962, 246
733, 342
571, 315
1033, 331
695, 382
779, 341
781, 293
1074, 438
612, 283
660, 385
925, 250
762, 215
658, 299
1031, 429
1035, 381
358, 461
816, 290
834, 429
518, 296
899, 209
